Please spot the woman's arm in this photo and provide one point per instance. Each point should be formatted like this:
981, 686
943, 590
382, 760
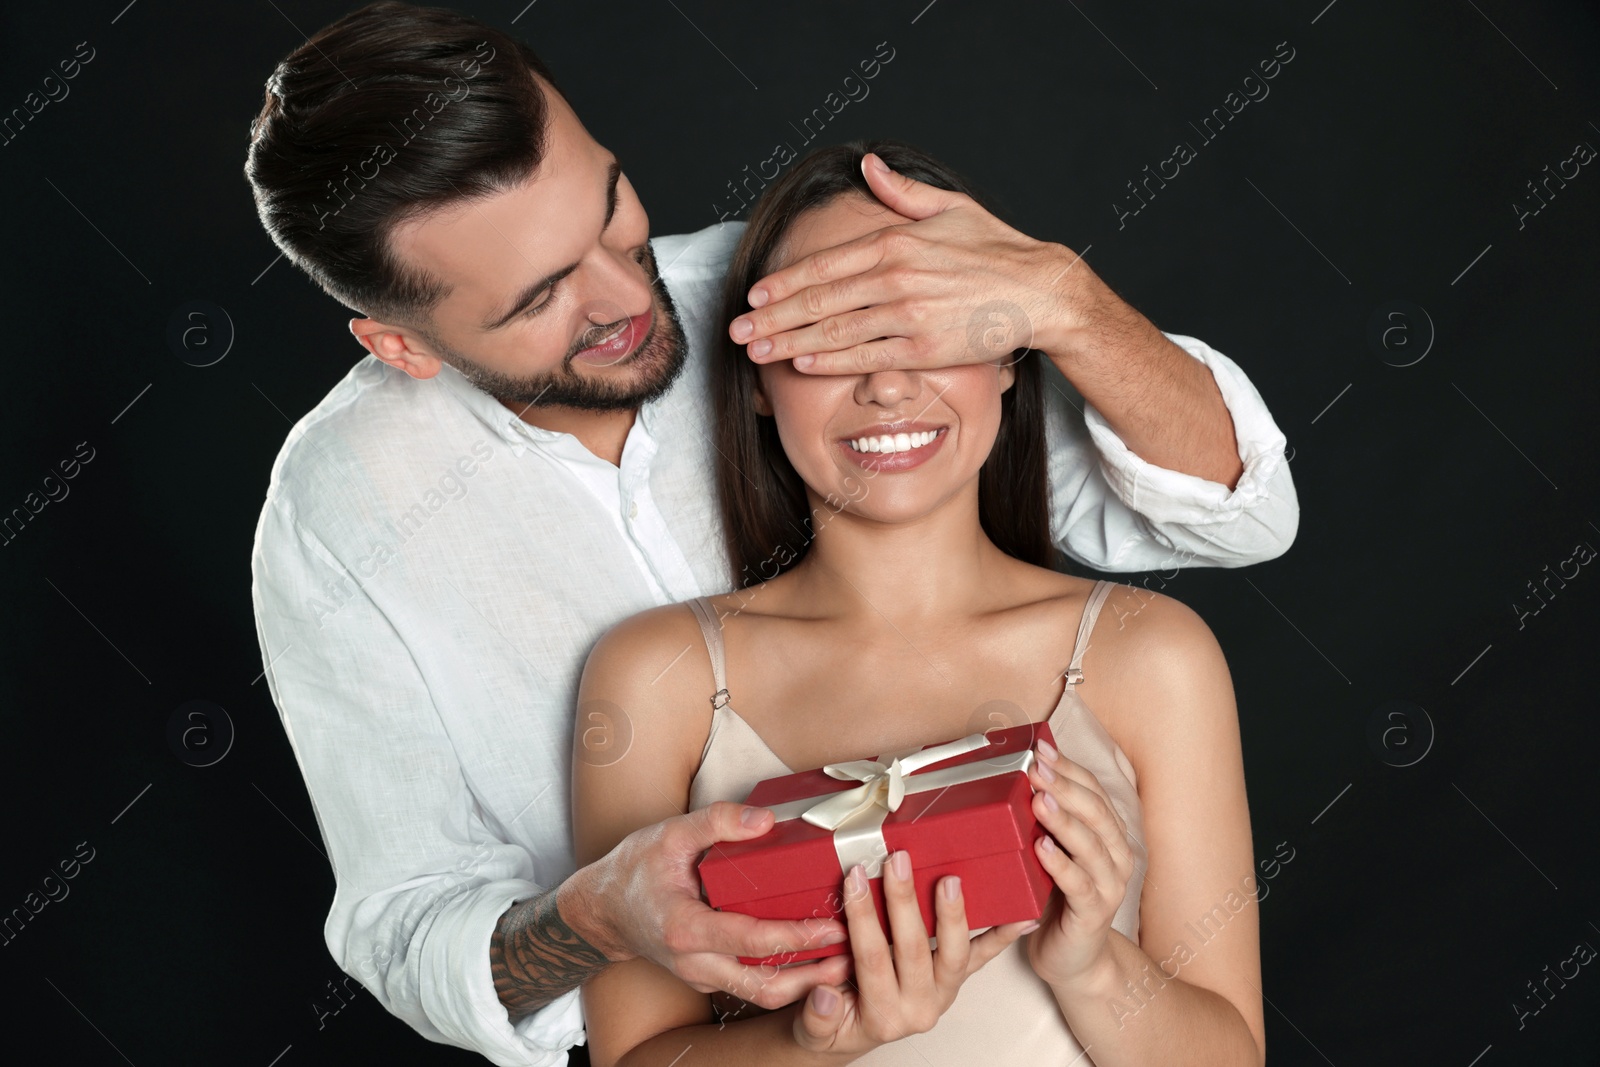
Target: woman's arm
635, 1009
1183, 1002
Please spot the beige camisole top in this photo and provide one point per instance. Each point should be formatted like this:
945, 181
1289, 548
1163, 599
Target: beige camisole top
1004, 1013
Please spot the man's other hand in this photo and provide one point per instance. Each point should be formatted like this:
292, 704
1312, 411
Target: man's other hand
642, 899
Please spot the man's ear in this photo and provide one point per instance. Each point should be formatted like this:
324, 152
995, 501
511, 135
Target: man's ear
396, 346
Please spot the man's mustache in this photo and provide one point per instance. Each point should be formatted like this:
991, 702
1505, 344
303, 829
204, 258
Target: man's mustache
599, 332
594, 335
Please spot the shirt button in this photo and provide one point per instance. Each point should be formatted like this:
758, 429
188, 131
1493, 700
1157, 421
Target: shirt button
633, 510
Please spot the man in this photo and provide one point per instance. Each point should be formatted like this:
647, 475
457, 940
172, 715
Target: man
522, 461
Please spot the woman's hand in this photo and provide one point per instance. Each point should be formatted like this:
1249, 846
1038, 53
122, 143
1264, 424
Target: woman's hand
905, 989
1085, 849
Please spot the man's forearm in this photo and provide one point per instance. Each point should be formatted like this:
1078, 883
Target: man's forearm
1162, 402
535, 955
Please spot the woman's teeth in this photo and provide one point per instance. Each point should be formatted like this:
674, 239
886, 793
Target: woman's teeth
895, 442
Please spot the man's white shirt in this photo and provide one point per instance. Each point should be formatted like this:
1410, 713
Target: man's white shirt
430, 573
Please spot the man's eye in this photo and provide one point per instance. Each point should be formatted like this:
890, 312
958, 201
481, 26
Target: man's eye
534, 309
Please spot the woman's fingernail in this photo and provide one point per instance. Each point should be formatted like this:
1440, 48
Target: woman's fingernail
1047, 750
742, 328
761, 347
901, 863
1031, 927
876, 163
804, 362
1045, 772
951, 887
1049, 802
823, 1000
758, 297
1048, 843
857, 880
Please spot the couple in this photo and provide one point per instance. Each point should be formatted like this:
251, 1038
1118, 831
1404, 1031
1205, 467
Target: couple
552, 406
913, 510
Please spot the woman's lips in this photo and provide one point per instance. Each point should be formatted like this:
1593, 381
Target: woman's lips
907, 454
620, 345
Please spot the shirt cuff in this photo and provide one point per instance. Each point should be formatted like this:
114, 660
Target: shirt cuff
458, 990
1168, 496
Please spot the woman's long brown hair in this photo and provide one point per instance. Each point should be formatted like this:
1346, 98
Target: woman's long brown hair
767, 519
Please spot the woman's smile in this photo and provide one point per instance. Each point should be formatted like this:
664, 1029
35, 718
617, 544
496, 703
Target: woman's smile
895, 446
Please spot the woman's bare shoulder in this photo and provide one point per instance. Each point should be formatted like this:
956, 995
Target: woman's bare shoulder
651, 674
649, 632
1135, 630
1153, 653
1145, 621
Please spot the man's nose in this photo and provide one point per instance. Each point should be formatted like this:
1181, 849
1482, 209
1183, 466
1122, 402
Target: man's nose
620, 290
888, 387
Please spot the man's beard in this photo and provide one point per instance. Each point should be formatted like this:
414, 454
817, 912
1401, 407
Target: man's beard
655, 364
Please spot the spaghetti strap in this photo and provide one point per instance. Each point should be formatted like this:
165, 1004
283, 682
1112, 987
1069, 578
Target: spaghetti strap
1091, 610
711, 630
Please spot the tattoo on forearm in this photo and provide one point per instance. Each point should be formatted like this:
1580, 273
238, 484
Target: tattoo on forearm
535, 956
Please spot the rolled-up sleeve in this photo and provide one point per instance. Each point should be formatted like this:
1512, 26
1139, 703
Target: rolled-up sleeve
421, 882
1118, 512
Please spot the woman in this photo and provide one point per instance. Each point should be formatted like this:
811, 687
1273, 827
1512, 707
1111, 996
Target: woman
900, 519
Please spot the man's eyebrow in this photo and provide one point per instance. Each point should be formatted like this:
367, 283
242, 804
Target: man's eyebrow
531, 292
613, 174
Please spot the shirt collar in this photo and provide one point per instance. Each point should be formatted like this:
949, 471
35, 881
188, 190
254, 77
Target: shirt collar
493, 414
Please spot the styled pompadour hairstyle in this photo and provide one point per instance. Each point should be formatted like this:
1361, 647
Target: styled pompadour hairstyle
388, 113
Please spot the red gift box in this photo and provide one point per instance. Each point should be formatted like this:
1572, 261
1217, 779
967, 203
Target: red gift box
962, 808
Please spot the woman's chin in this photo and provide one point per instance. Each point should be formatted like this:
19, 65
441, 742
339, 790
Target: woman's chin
885, 509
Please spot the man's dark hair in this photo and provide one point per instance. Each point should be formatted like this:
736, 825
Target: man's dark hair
389, 113
765, 514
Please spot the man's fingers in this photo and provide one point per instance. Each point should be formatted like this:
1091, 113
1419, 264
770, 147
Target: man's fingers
825, 265
903, 194
870, 357
727, 933
724, 820
840, 328
765, 985
810, 305
792, 983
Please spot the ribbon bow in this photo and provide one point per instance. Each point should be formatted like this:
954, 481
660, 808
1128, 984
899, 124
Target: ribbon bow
883, 786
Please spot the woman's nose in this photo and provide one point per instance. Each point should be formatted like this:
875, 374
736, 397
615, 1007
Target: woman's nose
889, 387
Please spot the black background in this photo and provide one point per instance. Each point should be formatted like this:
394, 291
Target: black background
1383, 166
